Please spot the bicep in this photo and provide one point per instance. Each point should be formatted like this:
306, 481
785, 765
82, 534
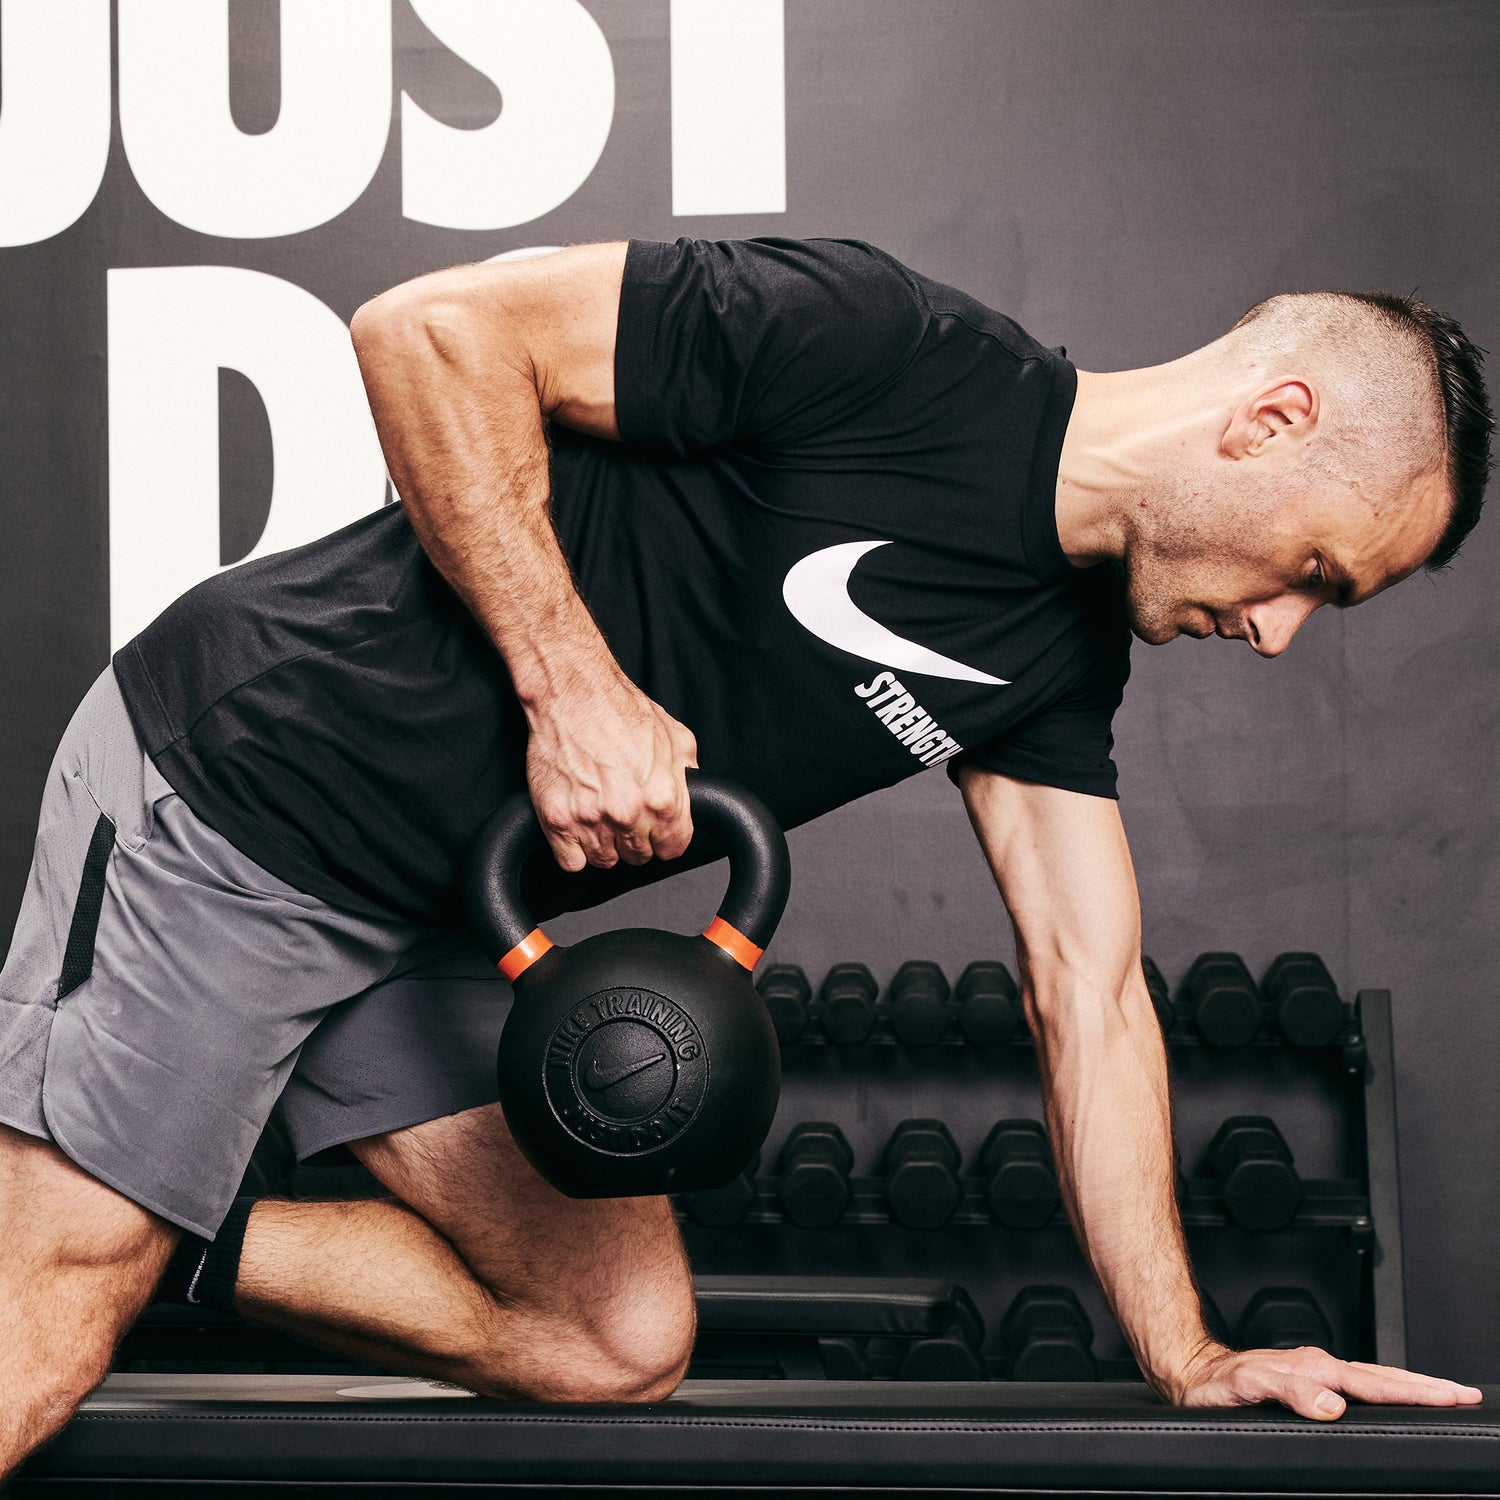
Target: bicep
551, 317
1063, 867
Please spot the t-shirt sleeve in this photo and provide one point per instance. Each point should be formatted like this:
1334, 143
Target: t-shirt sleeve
1068, 744
768, 342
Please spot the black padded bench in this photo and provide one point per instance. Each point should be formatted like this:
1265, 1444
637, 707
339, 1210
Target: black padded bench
146, 1434
821, 1327
769, 1327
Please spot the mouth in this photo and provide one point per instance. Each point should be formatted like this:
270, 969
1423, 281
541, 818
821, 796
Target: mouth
1211, 626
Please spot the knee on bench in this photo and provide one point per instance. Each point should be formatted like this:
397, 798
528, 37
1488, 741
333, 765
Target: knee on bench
631, 1346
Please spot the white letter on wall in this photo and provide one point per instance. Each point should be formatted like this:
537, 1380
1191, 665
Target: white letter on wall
54, 114
728, 107
557, 85
170, 329
200, 169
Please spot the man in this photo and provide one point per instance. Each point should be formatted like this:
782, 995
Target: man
806, 516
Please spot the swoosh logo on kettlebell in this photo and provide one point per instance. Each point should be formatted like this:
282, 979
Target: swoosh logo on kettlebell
816, 591
599, 1081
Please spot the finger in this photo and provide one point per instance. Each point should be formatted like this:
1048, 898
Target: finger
1433, 1380
599, 849
1385, 1383
1310, 1398
596, 839
672, 835
564, 831
624, 828
568, 852
634, 846
670, 825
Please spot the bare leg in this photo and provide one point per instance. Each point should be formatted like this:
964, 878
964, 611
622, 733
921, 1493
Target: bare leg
78, 1262
481, 1274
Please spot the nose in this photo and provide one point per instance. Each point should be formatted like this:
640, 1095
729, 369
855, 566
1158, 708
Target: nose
1269, 627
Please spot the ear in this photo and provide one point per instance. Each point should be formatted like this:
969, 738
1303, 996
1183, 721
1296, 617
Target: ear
1286, 405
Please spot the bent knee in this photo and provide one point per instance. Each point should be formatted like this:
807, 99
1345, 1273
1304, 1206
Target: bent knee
593, 1378
638, 1353
648, 1365
644, 1339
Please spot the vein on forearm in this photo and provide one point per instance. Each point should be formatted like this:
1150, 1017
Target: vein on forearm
1109, 1115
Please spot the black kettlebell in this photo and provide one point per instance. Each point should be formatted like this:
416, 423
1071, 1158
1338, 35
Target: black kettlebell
637, 1062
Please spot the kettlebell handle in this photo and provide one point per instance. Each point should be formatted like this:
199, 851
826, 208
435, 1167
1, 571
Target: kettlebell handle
759, 875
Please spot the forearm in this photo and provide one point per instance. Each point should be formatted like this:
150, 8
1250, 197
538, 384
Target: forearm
1104, 1081
465, 441
464, 369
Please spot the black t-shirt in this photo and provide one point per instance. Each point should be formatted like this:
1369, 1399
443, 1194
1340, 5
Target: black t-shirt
826, 543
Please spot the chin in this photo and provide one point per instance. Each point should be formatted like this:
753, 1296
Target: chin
1150, 626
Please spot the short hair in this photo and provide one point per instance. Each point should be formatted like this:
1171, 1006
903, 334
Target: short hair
1437, 354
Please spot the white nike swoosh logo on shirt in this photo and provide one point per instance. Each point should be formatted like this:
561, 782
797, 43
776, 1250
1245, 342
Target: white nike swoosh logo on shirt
816, 591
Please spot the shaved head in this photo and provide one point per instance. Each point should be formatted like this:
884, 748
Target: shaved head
1402, 390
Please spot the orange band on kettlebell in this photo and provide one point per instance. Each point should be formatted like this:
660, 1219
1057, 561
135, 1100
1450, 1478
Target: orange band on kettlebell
733, 942
524, 954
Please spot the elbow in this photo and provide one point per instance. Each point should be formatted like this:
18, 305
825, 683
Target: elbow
408, 333
366, 319
437, 324
411, 309
391, 317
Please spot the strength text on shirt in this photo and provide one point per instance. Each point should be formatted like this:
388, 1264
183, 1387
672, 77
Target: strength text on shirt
886, 697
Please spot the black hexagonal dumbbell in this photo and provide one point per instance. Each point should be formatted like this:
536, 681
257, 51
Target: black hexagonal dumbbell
1304, 1000
846, 1004
1283, 1317
988, 1003
1161, 996
1048, 1336
785, 991
953, 1354
921, 1174
1258, 1182
1020, 1185
915, 1004
724, 1207
815, 1166
1223, 999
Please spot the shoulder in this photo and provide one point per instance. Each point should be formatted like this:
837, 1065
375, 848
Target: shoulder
774, 275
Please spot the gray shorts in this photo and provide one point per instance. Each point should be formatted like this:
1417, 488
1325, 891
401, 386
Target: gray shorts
162, 991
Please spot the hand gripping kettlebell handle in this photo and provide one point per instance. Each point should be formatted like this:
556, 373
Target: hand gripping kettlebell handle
759, 874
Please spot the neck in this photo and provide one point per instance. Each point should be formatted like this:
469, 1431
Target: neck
1111, 467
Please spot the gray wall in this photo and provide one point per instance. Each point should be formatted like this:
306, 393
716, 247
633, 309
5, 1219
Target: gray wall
1124, 179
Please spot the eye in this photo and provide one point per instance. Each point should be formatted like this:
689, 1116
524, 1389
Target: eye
1316, 581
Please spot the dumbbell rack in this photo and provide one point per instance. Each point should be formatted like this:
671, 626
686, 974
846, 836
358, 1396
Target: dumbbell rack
1343, 1244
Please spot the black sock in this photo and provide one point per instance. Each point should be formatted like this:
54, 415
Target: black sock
202, 1273
181, 1269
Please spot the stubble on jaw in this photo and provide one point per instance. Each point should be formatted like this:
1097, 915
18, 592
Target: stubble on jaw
1188, 550
1167, 545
